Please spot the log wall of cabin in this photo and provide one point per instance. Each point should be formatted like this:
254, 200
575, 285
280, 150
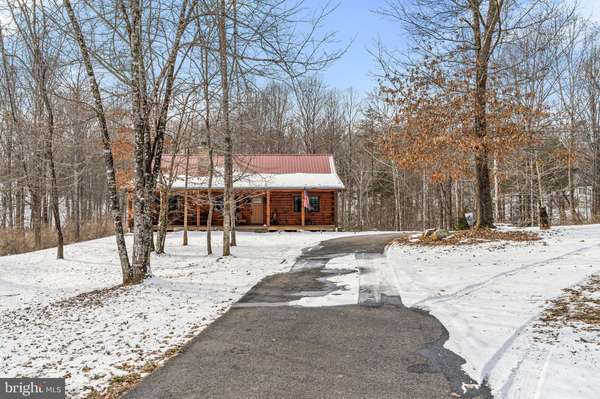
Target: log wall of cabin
282, 202
326, 214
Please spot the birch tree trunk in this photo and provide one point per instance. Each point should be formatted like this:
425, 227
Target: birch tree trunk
207, 126
185, 197
233, 221
11, 127
163, 220
140, 256
129, 274
227, 155
76, 204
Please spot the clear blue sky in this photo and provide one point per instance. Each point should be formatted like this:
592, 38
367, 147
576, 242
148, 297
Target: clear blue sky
354, 21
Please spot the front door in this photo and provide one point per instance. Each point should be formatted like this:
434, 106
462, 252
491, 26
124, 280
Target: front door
257, 210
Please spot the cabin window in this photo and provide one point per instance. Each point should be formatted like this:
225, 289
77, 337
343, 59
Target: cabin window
174, 203
219, 203
297, 203
315, 203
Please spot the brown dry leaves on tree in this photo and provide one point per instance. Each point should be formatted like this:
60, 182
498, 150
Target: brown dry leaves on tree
123, 156
433, 130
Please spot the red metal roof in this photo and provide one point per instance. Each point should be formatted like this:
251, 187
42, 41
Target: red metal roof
257, 163
283, 163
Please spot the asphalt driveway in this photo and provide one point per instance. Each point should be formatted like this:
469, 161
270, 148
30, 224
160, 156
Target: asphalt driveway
263, 348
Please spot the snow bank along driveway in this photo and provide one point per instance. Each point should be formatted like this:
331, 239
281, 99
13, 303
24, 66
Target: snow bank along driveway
47, 330
490, 297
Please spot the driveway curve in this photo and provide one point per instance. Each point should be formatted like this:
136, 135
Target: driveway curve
263, 348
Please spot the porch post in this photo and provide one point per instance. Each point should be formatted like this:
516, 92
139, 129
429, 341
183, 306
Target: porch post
335, 212
268, 208
302, 215
198, 210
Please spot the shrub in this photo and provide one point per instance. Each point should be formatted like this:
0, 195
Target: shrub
13, 241
461, 223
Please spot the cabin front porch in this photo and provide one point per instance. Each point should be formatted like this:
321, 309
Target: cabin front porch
259, 229
265, 210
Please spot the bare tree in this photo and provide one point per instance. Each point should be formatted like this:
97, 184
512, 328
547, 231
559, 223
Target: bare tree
129, 274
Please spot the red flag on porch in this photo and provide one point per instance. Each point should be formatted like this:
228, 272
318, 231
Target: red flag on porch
306, 201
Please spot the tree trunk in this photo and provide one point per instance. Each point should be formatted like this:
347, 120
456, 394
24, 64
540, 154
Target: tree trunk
163, 220
154, 150
207, 126
496, 191
532, 211
424, 203
140, 258
9, 187
185, 197
36, 218
596, 182
233, 220
227, 155
544, 221
448, 206
20, 210
11, 127
483, 47
360, 203
210, 198
595, 207
50, 157
44, 196
76, 206
55, 206
130, 275
396, 198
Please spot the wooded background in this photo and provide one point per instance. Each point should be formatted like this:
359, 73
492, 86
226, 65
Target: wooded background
506, 91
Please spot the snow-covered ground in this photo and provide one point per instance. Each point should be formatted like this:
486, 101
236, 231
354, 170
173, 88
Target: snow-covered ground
47, 330
490, 297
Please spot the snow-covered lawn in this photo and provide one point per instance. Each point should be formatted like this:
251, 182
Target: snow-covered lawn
490, 297
92, 339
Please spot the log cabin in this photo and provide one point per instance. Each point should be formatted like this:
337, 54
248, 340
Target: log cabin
272, 192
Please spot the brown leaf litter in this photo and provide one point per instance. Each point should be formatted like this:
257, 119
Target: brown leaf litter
578, 308
471, 237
